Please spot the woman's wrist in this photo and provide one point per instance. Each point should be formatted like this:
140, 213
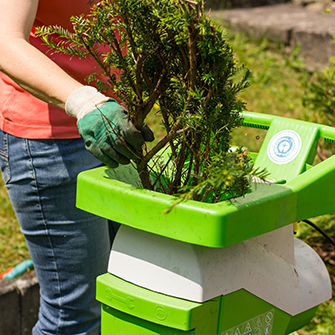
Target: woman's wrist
84, 100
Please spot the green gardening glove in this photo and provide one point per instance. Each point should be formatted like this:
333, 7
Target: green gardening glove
107, 131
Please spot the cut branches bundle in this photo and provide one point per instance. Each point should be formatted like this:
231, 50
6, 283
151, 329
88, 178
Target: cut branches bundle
168, 53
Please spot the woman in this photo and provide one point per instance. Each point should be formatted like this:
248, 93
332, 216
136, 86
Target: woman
41, 154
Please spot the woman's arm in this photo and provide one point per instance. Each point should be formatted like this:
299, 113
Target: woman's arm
41, 77
22, 62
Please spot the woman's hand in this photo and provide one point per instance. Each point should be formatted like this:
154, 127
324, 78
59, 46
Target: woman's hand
105, 127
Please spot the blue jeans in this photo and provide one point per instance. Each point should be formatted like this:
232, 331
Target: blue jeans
69, 247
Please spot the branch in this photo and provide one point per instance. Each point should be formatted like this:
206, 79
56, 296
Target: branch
117, 49
172, 134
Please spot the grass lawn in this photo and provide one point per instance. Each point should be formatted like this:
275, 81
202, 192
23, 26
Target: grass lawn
13, 248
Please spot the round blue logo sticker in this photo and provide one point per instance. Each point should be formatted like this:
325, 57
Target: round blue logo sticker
284, 147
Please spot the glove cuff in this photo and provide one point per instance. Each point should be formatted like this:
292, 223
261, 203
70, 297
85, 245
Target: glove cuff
83, 101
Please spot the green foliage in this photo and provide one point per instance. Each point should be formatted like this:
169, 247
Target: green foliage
320, 95
277, 77
226, 176
323, 322
167, 52
319, 101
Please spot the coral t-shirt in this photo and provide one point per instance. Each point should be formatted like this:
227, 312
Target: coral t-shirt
23, 115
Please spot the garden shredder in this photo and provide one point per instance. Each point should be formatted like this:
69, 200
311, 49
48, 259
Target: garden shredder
229, 268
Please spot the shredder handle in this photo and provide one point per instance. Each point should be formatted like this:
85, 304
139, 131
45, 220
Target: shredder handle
257, 120
313, 188
263, 121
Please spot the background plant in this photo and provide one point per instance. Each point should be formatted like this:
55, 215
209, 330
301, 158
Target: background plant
320, 95
170, 53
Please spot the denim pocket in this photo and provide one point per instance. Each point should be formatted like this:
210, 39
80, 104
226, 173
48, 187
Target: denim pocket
4, 163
